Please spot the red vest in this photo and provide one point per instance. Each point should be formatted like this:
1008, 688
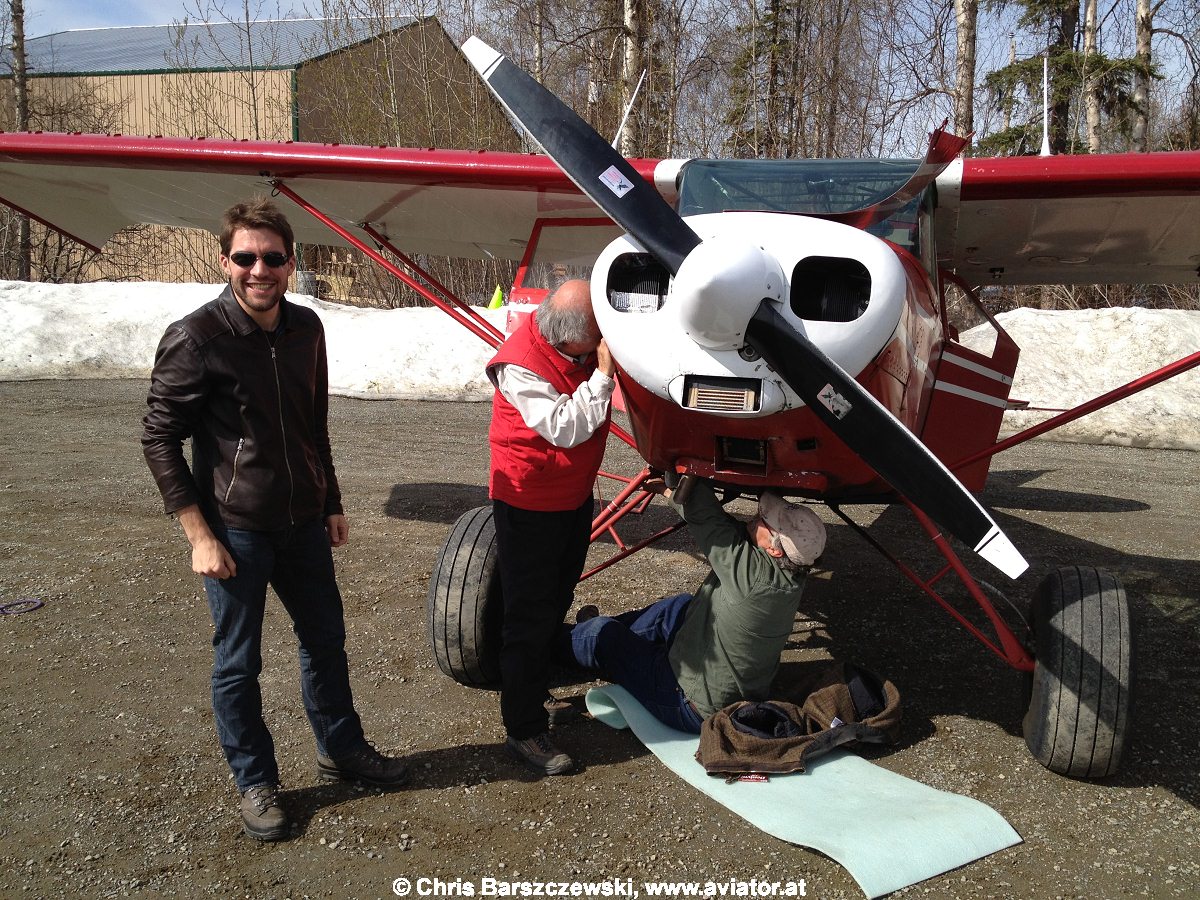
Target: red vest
529, 472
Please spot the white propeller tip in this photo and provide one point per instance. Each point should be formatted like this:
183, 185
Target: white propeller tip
997, 549
480, 55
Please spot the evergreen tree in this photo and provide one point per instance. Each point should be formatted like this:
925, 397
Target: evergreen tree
1017, 87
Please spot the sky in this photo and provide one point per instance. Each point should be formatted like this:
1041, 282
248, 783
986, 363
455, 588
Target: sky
110, 330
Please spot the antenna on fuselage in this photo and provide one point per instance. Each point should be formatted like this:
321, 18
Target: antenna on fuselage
625, 118
1045, 105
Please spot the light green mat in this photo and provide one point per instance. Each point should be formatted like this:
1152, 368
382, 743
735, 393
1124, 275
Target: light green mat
887, 830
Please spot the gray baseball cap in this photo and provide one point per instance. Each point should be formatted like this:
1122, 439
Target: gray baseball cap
801, 532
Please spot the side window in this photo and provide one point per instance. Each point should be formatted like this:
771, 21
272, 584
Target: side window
928, 252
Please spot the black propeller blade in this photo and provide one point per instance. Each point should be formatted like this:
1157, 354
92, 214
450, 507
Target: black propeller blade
854, 415
876, 436
596, 168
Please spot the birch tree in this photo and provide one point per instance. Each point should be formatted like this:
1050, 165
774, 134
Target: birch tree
966, 17
1144, 30
1091, 87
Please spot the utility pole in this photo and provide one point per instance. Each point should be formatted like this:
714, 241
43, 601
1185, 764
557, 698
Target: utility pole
21, 98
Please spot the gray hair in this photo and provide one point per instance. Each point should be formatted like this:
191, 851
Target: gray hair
784, 562
563, 324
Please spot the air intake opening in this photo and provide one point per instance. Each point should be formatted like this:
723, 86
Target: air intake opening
830, 289
637, 283
741, 452
722, 395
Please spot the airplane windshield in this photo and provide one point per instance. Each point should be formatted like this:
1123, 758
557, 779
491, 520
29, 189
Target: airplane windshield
813, 186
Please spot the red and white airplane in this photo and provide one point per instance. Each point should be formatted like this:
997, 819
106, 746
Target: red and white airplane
776, 323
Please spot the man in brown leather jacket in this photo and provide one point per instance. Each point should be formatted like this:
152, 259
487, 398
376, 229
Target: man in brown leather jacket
245, 378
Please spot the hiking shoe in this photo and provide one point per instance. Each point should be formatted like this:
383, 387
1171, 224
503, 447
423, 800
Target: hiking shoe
590, 611
262, 817
538, 752
560, 711
366, 764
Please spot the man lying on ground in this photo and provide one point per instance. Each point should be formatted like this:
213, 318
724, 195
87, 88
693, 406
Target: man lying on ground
685, 657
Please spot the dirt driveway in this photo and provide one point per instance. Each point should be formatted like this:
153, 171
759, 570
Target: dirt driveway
111, 783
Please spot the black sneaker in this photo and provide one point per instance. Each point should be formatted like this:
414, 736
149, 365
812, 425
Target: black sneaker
366, 764
262, 817
539, 752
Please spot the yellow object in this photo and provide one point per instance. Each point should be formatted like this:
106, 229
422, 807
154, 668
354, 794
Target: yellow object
497, 299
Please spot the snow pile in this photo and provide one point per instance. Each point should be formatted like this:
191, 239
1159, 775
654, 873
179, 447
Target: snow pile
111, 329
1071, 357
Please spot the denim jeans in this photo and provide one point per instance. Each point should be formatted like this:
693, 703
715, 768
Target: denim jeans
632, 650
298, 563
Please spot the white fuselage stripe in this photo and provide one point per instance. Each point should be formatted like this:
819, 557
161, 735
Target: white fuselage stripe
976, 368
970, 394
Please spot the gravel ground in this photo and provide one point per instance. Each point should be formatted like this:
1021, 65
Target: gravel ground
111, 782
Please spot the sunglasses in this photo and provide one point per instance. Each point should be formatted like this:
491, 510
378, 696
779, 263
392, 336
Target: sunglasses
246, 259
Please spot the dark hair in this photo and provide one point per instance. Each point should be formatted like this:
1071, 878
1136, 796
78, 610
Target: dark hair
254, 214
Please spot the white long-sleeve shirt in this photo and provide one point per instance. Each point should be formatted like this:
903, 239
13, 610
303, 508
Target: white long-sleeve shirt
563, 419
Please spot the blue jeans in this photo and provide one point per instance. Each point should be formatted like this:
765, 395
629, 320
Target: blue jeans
632, 650
298, 563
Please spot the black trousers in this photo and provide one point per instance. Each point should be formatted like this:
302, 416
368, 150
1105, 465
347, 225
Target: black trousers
541, 556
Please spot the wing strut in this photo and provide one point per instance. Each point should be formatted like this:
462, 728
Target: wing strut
50, 225
458, 311
486, 332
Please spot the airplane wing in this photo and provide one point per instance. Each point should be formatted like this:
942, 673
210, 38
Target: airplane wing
1120, 218
1130, 218
472, 204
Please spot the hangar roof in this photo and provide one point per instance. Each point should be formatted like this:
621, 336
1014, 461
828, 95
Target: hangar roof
198, 46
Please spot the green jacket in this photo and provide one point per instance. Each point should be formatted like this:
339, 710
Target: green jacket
739, 619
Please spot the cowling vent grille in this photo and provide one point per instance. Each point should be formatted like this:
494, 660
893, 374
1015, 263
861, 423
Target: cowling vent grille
722, 395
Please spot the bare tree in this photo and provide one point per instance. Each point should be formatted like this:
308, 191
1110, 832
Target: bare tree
631, 69
21, 110
1144, 30
47, 103
1091, 84
221, 87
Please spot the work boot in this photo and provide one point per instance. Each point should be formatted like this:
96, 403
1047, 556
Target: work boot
539, 752
590, 611
262, 817
365, 764
560, 711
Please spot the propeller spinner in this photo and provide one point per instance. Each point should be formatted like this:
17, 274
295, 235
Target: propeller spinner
727, 296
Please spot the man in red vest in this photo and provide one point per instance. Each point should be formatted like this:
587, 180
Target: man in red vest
550, 419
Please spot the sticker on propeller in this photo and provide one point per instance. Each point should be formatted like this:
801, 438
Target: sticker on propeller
612, 179
834, 402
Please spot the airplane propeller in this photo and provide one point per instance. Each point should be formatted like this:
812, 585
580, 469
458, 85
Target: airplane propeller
842, 404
